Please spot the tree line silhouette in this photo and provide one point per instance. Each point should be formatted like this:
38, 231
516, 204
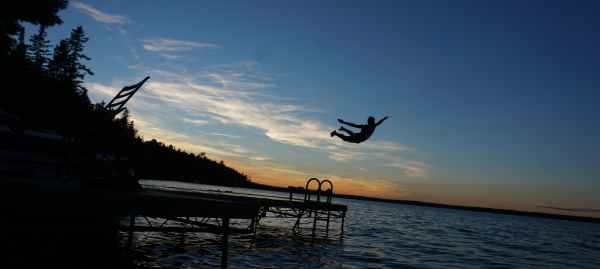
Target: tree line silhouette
44, 90
52, 122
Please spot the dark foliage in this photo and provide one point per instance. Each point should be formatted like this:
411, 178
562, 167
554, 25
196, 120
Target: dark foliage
70, 225
183, 165
38, 51
31, 11
47, 94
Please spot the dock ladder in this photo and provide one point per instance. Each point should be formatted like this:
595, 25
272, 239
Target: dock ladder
318, 205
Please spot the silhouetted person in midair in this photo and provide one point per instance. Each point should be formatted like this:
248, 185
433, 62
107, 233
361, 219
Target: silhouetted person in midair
366, 130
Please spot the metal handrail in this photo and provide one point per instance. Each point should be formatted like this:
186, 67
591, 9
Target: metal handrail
319, 190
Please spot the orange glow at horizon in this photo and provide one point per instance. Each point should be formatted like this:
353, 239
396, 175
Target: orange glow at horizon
283, 177
476, 195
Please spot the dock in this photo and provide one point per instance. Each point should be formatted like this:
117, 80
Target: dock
182, 211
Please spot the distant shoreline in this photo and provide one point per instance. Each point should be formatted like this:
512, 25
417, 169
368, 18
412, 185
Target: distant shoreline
458, 207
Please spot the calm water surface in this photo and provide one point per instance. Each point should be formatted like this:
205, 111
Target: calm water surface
382, 235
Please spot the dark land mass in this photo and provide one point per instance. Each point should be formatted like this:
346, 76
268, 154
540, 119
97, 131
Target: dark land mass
62, 156
477, 209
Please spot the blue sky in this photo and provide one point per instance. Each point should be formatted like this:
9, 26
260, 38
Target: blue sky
490, 104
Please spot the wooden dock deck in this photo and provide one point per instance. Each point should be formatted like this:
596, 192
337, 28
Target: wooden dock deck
186, 204
233, 200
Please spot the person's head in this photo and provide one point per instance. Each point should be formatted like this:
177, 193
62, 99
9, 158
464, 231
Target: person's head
371, 120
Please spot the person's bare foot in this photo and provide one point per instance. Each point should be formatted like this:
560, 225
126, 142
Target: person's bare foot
333, 133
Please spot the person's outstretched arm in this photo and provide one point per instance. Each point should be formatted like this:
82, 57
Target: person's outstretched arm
381, 120
350, 123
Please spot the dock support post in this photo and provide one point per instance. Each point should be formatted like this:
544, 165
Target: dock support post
131, 228
314, 222
297, 227
343, 218
224, 243
327, 225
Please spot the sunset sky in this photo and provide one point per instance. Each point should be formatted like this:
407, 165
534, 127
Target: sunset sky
491, 104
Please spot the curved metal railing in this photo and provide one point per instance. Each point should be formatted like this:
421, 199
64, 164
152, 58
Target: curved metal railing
319, 191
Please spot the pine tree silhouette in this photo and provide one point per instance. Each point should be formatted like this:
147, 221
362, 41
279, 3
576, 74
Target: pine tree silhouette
77, 70
38, 51
58, 65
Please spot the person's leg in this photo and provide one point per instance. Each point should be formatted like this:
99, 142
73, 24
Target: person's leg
343, 137
350, 133
347, 138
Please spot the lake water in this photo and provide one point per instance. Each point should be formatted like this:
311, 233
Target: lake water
384, 235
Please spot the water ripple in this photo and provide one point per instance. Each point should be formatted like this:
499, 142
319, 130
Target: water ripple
382, 235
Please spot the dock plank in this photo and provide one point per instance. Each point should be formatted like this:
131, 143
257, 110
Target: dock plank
177, 204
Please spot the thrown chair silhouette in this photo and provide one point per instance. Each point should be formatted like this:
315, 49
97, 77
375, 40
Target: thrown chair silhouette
117, 104
109, 155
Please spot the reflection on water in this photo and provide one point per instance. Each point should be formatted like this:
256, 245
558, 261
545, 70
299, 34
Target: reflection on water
381, 235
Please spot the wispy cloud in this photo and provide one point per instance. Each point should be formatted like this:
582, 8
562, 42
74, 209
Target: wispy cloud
152, 129
168, 45
235, 96
101, 89
411, 168
260, 158
226, 135
279, 122
196, 121
98, 15
169, 56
